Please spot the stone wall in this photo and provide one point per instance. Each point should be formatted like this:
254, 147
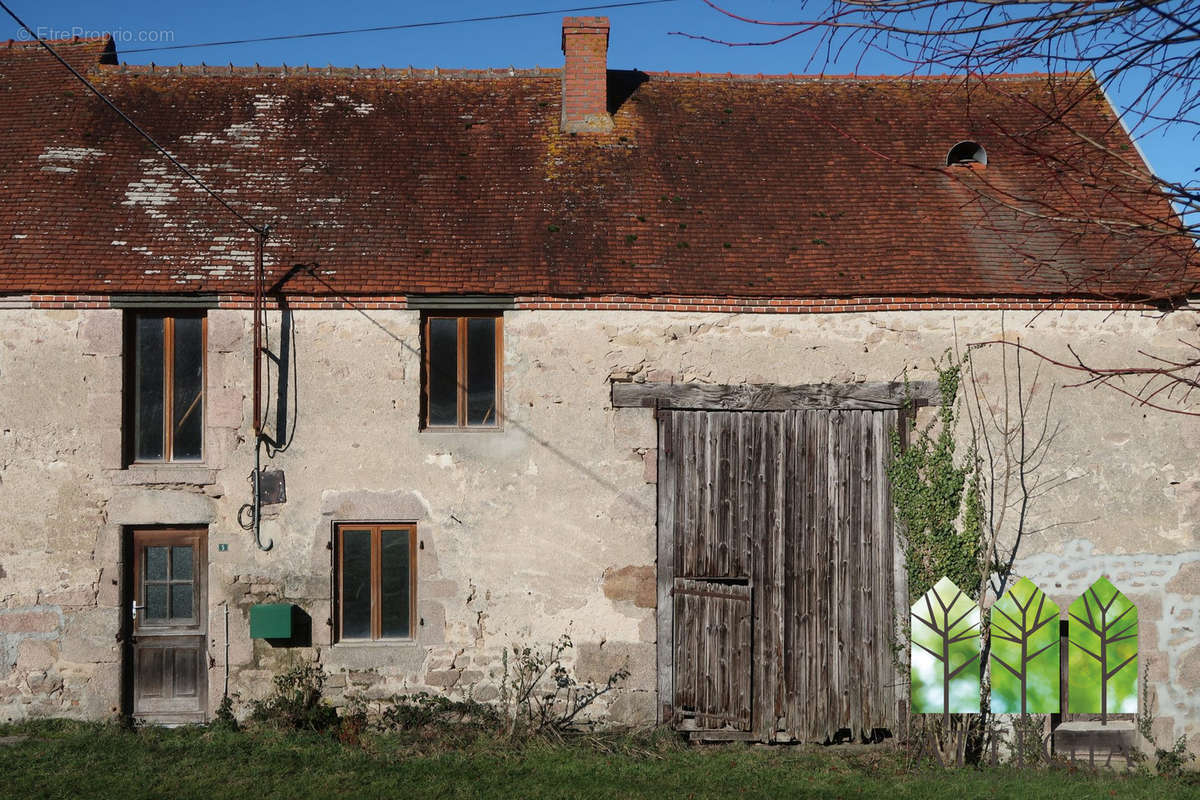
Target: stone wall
542, 528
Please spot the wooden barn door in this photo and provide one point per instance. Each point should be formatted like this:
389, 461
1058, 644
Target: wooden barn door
786, 514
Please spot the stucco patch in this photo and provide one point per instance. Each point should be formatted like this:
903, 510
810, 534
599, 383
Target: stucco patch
631, 584
596, 662
101, 333
632, 709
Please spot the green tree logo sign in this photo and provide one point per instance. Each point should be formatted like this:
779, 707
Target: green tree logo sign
1103, 633
1024, 654
945, 637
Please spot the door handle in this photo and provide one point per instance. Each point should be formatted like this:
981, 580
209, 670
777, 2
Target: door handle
133, 608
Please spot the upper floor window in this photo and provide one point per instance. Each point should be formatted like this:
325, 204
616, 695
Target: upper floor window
461, 374
165, 368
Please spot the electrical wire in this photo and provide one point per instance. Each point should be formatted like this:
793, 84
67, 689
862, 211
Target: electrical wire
408, 26
178, 165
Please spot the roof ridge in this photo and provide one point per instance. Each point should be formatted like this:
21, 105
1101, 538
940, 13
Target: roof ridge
292, 70
851, 76
437, 72
79, 40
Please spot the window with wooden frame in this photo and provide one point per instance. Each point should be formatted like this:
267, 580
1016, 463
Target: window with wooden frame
461, 374
375, 581
165, 365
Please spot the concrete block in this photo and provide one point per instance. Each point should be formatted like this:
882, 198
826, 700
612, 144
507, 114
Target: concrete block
159, 506
397, 505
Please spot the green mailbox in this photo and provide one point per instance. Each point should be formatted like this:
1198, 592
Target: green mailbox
271, 621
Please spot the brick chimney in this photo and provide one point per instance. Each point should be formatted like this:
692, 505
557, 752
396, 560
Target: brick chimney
585, 75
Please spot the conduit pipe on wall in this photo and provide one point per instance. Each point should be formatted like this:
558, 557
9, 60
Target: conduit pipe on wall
255, 504
258, 436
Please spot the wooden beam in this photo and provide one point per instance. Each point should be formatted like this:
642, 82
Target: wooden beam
774, 397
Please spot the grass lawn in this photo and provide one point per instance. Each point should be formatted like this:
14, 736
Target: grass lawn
71, 760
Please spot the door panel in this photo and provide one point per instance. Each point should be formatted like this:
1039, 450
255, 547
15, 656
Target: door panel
712, 654
169, 653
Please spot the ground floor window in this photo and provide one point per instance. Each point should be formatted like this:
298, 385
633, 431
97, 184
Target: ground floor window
375, 579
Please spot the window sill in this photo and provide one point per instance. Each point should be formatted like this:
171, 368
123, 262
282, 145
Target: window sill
148, 474
373, 645
471, 429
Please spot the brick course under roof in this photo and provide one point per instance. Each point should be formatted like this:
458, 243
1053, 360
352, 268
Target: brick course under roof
397, 182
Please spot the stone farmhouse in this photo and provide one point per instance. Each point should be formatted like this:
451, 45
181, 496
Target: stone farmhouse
545, 351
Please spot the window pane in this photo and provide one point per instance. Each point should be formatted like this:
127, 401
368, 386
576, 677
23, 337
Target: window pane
395, 583
156, 563
156, 601
148, 389
356, 584
181, 563
443, 371
481, 371
188, 399
181, 600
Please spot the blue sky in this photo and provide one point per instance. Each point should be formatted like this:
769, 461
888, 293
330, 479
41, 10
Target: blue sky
641, 38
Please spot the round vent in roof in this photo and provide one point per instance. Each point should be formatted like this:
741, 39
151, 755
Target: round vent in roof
967, 153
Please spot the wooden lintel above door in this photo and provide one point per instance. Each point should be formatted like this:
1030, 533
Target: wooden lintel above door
871, 396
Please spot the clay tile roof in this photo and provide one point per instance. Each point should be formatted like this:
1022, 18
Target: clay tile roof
434, 181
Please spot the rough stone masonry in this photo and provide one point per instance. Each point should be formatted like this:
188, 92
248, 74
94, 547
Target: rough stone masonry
543, 527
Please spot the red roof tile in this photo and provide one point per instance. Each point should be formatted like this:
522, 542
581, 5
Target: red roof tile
399, 182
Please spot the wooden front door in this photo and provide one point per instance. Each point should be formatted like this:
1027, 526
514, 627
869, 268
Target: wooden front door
169, 653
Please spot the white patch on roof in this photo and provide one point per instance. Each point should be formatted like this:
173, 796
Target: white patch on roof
267, 102
69, 153
363, 109
65, 159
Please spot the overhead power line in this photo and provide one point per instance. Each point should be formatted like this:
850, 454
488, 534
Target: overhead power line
408, 26
260, 230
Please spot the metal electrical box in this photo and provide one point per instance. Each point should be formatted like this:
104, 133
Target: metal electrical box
271, 487
271, 621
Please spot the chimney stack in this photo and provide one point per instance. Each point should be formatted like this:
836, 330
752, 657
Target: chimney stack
585, 75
